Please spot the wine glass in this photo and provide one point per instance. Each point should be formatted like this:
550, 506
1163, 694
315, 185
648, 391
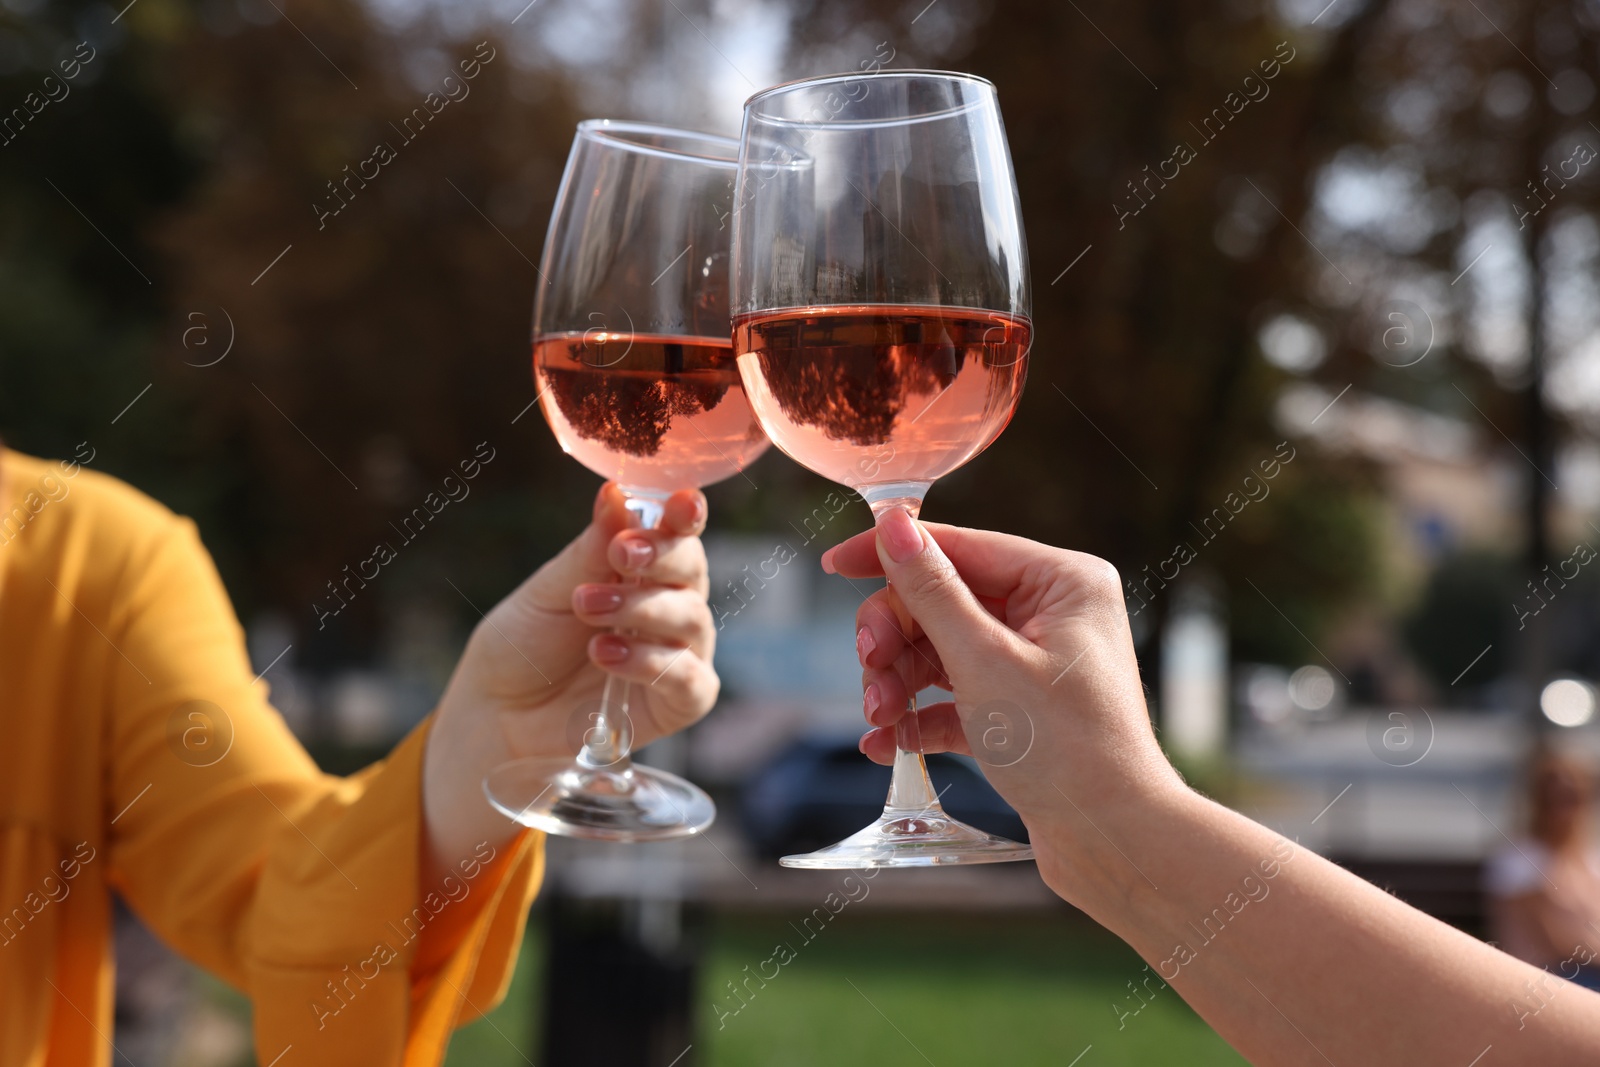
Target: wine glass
880, 311
636, 377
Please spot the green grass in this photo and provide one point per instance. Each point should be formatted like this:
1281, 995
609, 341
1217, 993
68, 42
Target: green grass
894, 991
950, 991
508, 1035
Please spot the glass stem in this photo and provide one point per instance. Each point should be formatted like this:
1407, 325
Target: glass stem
606, 743
910, 790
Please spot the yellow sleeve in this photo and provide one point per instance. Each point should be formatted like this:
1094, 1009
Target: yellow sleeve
296, 886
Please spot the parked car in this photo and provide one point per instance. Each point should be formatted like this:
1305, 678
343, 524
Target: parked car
819, 790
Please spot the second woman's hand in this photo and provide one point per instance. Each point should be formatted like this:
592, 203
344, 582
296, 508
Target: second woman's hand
1033, 643
1292, 959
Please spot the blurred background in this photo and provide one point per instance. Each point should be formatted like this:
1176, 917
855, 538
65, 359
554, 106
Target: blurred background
1318, 367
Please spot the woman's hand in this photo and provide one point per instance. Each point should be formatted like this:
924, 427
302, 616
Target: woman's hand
534, 669
538, 660
1033, 642
1293, 960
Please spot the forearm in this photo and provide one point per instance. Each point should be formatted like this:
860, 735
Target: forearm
457, 820
1296, 961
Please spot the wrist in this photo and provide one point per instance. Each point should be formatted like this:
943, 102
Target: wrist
456, 815
1104, 859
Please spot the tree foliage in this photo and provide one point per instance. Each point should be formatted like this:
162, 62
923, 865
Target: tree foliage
1173, 160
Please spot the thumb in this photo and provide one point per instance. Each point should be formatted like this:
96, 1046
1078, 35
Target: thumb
927, 583
584, 558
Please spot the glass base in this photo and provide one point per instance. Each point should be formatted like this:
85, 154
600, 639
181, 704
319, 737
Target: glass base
622, 802
916, 840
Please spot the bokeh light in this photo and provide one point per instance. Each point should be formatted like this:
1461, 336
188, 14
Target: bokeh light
1567, 702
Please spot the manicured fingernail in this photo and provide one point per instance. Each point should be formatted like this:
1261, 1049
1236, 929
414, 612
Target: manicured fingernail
701, 510
827, 562
596, 599
637, 553
865, 643
609, 648
872, 699
899, 534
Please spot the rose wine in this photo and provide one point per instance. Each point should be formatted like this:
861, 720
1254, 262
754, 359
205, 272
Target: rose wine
874, 394
654, 413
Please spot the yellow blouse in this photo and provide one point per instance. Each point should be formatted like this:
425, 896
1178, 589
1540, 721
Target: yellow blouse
139, 756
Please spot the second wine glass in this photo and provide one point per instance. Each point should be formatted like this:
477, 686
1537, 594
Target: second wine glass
632, 356
880, 298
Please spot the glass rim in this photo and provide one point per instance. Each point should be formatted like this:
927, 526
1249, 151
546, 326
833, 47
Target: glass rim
616, 133
849, 76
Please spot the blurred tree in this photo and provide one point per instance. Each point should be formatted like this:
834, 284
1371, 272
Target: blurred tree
1474, 130
333, 345
1466, 600
173, 198
376, 250
89, 157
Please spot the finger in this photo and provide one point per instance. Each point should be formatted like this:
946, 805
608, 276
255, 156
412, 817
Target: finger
921, 666
610, 510
678, 682
880, 629
854, 557
928, 584
886, 693
656, 557
992, 564
662, 615
884, 697
880, 639
936, 728
877, 744
685, 513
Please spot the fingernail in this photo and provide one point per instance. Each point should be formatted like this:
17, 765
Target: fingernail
609, 648
597, 599
865, 643
827, 562
701, 510
899, 534
872, 699
861, 745
637, 553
